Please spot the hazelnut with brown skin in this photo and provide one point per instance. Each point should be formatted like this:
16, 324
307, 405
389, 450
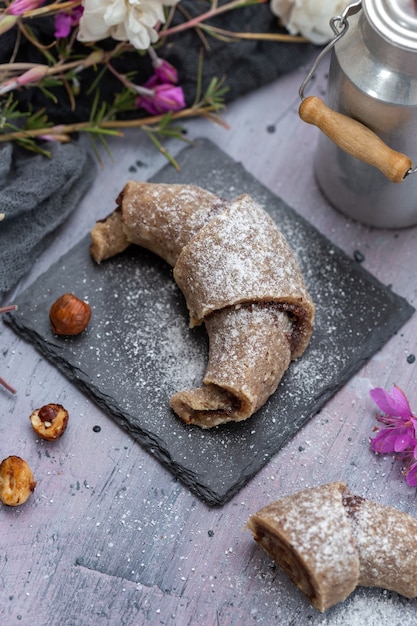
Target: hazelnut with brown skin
69, 315
50, 421
16, 481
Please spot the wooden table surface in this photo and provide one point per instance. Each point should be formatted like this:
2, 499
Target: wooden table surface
109, 537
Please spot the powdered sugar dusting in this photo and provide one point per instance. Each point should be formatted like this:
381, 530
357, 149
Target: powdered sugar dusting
154, 338
370, 608
239, 256
317, 527
165, 218
386, 541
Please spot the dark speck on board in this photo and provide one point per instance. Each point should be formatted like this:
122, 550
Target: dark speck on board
358, 256
96, 429
411, 358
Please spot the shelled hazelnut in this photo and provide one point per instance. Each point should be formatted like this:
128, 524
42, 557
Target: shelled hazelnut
69, 315
16, 481
50, 421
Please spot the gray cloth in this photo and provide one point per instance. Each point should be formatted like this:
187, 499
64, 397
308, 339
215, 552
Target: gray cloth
37, 194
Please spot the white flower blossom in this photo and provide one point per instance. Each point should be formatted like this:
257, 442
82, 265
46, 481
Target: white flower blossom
309, 18
124, 20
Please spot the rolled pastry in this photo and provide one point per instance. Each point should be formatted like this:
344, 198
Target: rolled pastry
386, 540
239, 277
329, 541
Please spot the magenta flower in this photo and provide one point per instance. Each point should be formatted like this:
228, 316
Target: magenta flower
393, 439
164, 71
395, 404
18, 7
160, 98
400, 432
65, 21
411, 474
160, 94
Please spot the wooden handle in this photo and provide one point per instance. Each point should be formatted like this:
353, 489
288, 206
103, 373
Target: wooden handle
355, 139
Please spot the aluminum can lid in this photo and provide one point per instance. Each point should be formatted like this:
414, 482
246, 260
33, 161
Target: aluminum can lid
395, 20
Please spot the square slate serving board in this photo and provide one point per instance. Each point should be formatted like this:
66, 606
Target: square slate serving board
138, 349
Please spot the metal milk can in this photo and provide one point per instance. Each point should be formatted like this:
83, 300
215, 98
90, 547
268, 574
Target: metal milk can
365, 155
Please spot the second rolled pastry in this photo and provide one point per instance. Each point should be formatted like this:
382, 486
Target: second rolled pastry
329, 541
239, 277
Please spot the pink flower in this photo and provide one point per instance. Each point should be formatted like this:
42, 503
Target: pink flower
166, 72
400, 432
395, 404
33, 75
18, 7
160, 98
393, 439
411, 474
159, 94
65, 21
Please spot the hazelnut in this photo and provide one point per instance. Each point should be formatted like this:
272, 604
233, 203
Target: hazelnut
16, 481
50, 421
69, 315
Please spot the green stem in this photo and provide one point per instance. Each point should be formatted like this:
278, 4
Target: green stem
68, 129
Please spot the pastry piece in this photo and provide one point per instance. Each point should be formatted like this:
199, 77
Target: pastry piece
386, 540
309, 536
328, 541
161, 218
109, 237
240, 257
249, 353
239, 277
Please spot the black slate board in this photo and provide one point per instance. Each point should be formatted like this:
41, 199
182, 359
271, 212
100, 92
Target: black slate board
138, 349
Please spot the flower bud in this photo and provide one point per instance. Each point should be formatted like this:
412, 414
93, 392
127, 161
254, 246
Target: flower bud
94, 58
7, 22
18, 7
165, 72
33, 75
165, 97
